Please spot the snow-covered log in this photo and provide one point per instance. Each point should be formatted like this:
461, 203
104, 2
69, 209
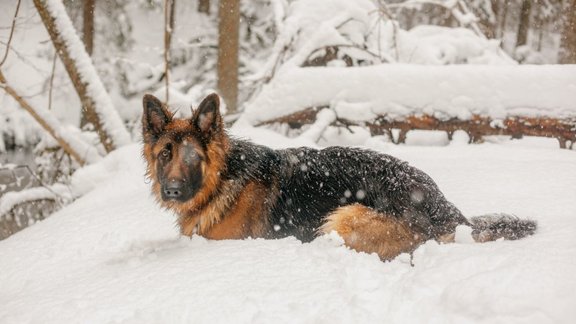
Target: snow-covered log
564, 130
95, 100
483, 100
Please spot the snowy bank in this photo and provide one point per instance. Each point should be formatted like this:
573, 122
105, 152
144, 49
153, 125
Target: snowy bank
397, 90
114, 256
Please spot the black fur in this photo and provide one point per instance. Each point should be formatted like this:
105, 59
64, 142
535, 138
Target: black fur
311, 183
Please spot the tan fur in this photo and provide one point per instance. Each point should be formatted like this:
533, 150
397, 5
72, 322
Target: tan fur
447, 238
202, 219
484, 236
244, 218
364, 229
213, 162
234, 214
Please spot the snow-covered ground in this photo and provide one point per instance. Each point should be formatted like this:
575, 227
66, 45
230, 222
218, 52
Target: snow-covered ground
114, 256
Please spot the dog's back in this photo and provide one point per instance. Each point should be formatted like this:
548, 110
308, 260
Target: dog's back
309, 185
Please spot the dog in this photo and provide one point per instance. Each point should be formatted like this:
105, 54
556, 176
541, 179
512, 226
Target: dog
226, 188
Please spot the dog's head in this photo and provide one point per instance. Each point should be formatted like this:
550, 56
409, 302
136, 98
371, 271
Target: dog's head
185, 156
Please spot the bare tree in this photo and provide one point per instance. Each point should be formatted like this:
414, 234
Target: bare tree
95, 100
228, 26
524, 26
568, 39
168, 29
503, 19
88, 38
88, 25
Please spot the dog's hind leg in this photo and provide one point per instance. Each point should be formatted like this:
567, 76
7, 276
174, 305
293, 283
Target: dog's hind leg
364, 229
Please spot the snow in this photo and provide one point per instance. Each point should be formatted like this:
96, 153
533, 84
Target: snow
114, 256
397, 90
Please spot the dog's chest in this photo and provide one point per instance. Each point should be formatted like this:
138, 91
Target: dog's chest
233, 217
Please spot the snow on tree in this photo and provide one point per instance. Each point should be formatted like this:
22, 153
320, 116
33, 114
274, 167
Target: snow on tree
96, 101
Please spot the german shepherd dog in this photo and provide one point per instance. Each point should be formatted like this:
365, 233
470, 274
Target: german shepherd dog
225, 188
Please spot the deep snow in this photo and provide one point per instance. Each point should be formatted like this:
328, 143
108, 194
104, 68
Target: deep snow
114, 256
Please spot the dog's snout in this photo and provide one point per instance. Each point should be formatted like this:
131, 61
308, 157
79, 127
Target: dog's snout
173, 189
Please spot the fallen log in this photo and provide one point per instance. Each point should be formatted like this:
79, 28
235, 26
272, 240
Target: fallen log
564, 130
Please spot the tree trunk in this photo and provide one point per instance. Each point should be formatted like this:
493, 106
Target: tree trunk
496, 9
88, 38
504, 19
88, 29
524, 26
204, 6
96, 102
228, 25
568, 38
169, 6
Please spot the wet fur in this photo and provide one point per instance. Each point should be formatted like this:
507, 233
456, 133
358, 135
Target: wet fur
376, 202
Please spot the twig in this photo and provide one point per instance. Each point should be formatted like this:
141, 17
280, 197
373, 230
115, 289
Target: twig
355, 46
43, 185
11, 33
51, 83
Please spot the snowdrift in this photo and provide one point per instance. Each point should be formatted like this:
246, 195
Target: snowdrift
113, 256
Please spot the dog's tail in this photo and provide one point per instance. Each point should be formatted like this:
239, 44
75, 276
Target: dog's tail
495, 226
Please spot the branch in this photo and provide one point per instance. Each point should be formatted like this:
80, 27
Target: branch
11, 34
69, 143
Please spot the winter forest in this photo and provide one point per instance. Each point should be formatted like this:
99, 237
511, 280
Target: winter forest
478, 94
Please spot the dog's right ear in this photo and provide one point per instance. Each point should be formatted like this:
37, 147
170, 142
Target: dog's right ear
155, 117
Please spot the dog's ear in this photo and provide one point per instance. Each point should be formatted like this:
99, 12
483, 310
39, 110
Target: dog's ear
207, 118
155, 117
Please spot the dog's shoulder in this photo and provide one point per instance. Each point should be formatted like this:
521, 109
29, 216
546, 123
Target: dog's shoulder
250, 161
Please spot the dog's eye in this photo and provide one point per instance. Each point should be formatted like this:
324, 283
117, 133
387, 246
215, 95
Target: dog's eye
165, 153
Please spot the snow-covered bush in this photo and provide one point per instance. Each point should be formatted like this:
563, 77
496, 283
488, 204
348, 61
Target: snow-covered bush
366, 32
17, 128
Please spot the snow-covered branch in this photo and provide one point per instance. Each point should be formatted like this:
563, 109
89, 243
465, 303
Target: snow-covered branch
81, 152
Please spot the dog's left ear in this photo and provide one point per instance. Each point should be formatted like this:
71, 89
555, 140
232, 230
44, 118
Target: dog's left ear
207, 118
154, 118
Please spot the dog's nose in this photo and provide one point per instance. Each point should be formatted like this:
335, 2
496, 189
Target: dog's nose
173, 189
